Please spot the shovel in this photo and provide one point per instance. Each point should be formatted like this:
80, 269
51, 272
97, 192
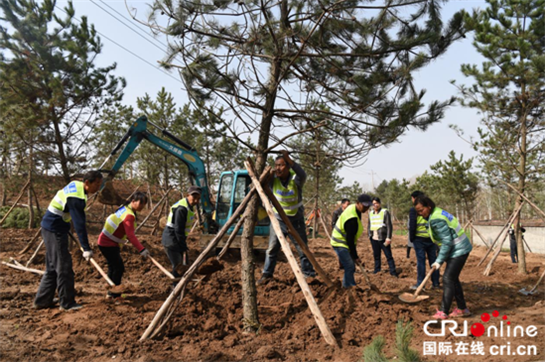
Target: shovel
371, 285
415, 298
526, 292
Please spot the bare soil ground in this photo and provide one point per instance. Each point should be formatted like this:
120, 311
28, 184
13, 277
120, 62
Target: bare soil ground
207, 325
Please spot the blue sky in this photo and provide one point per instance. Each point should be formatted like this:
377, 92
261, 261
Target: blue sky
137, 58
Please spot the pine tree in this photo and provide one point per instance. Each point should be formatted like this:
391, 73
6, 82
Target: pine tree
268, 65
508, 91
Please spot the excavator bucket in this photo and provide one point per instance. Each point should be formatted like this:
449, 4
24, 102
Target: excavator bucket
109, 196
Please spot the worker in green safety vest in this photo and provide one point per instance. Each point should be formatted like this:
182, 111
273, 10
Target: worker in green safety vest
445, 231
345, 235
287, 187
380, 234
68, 205
423, 245
179, 223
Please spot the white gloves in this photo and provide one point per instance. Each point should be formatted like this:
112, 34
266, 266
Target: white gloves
87, 255
387, 242
436, 266
144, 253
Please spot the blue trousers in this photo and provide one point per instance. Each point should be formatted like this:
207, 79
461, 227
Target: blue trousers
274, 248
378, 245
423, 247
348, 264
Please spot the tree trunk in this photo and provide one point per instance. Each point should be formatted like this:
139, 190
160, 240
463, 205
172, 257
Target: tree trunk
60, 147
521, 185
29, 189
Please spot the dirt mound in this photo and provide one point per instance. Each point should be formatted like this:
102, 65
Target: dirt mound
208, 324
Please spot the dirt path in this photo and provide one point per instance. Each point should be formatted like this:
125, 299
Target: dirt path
207, 325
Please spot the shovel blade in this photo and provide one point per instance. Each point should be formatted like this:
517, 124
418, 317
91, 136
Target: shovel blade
525, 292
411, 298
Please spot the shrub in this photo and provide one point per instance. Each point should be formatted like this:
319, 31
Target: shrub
18, 218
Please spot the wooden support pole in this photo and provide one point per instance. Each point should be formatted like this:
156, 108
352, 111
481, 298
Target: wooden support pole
167, 273
231, 238
19, 267
496, 254
325, 227
539, 211
15, 203
153, 210
320, 321
321, 272
31, 242
35, 253
479, 235
163, 314
509, 222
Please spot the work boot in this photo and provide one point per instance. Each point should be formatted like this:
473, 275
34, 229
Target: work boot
265, 278
73, 307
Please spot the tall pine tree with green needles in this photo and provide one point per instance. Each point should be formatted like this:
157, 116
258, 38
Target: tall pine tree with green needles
266, 63
51, 88
509, 91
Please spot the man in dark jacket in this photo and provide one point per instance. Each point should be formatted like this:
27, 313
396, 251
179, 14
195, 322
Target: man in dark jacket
338, 212
423, 245
179, 223
380, 233
513, 242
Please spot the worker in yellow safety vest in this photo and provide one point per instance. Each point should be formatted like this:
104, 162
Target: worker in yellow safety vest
67, 205
345, 235
287, 187
423, 245
380, 234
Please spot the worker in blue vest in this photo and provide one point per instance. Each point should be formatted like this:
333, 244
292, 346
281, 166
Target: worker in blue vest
454, 249
380, 233
423, 245
287, 187
345, 235
179, 223
67, 205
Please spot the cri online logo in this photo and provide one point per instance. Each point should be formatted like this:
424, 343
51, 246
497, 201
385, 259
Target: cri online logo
478, 329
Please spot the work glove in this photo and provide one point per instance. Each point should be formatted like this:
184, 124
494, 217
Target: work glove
144, 253
387, 242
87, 255
436, 266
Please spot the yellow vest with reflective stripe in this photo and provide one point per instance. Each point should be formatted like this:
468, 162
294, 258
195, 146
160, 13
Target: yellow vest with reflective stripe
58, 204
422, 227
377, 220
190, 215
452, 223
338, 235
288, 197
114, 220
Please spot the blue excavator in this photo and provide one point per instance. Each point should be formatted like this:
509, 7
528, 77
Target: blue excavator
233, 185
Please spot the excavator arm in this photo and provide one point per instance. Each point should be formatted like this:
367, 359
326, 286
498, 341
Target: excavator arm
179, 149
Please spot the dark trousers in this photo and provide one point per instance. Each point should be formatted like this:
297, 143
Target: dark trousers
423, 247
274, 248
378, 245
452, 288
115, 263
59, 274
513, 247
175, 256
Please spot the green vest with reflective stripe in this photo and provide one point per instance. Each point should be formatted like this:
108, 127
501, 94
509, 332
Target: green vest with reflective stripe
422, 227
58, 204
288, 197
190, 215
114, 220
452, 223
377, 220
338, 235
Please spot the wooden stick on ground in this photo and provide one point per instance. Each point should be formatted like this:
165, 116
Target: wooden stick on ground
167, 273
231, 238
35, 253
14, 266
14, 261
320, 321
153, 210
162, 316
509, 221
15, 203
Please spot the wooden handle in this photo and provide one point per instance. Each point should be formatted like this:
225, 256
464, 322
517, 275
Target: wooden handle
424, 282
364, 274
95, 264
162, 268
539, 281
